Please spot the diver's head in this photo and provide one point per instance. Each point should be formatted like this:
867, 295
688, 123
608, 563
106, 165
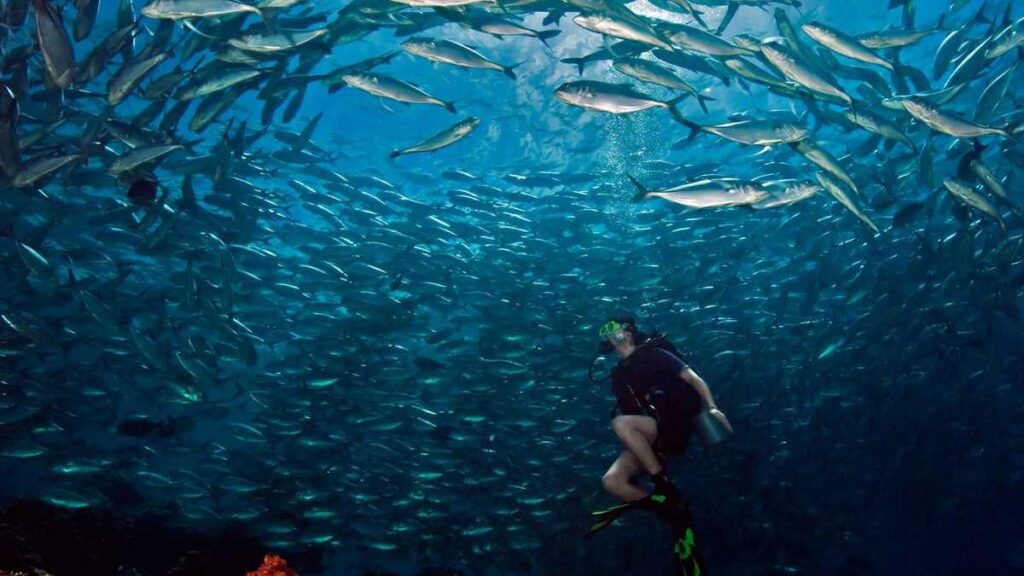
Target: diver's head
620, 335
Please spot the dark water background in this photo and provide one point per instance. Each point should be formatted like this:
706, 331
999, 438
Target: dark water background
874, 383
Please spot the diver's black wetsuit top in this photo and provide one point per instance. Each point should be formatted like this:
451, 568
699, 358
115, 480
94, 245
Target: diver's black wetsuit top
648, 383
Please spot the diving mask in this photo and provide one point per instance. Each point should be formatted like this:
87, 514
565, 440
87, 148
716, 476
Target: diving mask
613, 331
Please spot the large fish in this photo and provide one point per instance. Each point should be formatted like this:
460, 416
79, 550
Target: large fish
994, 185
35, 172
648, 71
451, 52
495, 25
446, 137
879, 125
841, 43
442, 3
1009, 38
947, 123
218, 81
621, 49
753, 132
179, 9
388, 87
54, 43
86, 18
836, 190
787, 62
142, 156
705, 193
122, 83
613, 98
896, 37
784, 193
968, 196
697, 40
276, 42
616, 27
10, 152
812, 151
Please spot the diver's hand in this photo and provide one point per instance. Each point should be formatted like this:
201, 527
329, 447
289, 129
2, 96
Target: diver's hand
721, 418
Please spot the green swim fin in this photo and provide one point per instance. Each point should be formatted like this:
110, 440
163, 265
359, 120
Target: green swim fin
684, 550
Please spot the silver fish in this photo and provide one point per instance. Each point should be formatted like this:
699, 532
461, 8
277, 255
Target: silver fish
444, 138
968, 196
625, 29
122, 83
388, 87
451, 52
54, 43
792, 68
947, 123
754, 132
179, 9
836, 190
140, 156
841, 43
705, 193
648, 71
784, 193
812, 151
613, 98
36, 171
277, 41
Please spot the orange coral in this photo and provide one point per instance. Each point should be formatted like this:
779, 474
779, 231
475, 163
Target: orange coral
273, 565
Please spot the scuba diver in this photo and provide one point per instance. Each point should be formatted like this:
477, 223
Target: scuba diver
660, 398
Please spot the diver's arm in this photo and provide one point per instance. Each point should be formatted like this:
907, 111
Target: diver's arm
691, 378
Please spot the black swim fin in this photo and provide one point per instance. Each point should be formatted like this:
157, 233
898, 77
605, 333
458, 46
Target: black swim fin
607, 516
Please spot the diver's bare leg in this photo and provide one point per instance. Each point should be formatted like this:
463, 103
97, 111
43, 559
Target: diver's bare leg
638, 434
617, 479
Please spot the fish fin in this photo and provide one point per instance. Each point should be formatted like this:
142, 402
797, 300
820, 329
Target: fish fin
673, 109
266, 21
395, 153
510, 70
979, 16
553, 17
579, 62
545, 35
641, 192
696, 15
730, 12
693, 126
187, 23
450, 106
702, 100
762, 151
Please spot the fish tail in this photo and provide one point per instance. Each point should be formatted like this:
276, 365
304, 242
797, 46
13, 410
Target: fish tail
641, 192
545, 35
678, 117
450, 106
510, 70
702, 100
266, 21
673, 108
395, 153
579, 62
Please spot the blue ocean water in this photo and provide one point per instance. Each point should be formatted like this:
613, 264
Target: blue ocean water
371, 364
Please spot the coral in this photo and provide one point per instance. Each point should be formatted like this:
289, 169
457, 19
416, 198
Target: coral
273, 566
